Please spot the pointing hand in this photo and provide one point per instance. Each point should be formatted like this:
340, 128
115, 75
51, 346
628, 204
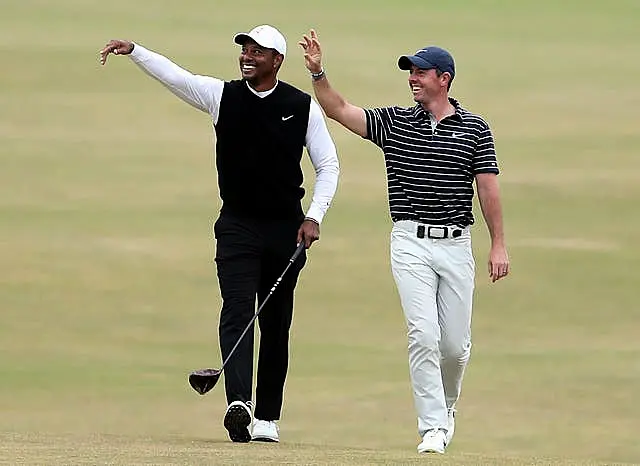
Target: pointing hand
116, 47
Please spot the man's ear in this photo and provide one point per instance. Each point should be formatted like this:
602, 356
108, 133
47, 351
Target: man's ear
448, 78
277, 60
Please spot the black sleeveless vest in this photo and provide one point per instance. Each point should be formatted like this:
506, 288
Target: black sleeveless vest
259, 148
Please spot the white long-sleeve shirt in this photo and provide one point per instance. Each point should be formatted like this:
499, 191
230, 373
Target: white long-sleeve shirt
205, 94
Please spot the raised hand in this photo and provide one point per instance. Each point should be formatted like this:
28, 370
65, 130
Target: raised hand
312, 52
116, 47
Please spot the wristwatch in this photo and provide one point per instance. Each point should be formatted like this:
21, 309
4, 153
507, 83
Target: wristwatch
318, 76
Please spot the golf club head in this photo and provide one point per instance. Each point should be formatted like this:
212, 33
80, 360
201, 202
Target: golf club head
204, 380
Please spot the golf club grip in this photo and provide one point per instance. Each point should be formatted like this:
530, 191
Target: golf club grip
297, 253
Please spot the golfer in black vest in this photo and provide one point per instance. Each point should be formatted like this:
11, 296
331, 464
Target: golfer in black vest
262, 126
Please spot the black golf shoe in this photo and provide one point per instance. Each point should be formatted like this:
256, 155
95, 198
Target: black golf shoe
237, 420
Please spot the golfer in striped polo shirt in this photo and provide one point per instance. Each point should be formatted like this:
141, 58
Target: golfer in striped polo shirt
433, 153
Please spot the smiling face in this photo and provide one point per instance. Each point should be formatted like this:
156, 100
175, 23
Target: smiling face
258, 65
427, 85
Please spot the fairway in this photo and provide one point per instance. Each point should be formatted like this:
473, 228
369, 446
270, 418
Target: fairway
108, 291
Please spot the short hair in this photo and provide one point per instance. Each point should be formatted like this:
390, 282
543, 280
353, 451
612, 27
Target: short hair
440, 73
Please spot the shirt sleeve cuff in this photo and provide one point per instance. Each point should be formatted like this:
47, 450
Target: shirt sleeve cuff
493, 170
315, 213
137, 52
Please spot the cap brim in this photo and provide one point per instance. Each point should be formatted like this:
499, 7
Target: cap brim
241, 38
406, 61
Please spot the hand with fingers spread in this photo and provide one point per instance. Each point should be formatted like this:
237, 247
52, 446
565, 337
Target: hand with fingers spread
498, 263
312, 52
116, 47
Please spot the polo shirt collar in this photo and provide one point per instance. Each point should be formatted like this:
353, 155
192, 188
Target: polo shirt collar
420, 112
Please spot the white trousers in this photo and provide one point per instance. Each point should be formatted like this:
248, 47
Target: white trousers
435, 281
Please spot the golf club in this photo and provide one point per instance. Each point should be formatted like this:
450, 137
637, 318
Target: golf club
204, 380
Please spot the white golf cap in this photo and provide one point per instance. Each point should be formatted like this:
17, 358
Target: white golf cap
265, 36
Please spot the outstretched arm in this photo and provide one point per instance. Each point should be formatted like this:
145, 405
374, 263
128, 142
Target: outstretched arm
333, 104
202, 92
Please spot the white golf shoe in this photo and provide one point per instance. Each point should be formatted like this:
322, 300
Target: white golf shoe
451, 424
433, 441
237, 420
265, 431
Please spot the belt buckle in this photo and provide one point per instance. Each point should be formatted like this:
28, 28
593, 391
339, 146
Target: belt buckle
444, 232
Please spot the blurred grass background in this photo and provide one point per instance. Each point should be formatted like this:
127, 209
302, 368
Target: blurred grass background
108, 295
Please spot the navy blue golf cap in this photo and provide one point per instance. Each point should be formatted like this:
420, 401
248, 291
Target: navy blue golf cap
429, 58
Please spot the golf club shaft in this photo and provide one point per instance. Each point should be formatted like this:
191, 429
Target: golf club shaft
299, 250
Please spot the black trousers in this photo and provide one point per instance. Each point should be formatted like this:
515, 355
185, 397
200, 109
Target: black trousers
250, 256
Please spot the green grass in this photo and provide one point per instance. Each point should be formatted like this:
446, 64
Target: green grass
108, 294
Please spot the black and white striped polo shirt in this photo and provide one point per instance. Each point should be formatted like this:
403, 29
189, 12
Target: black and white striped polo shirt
430, 172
